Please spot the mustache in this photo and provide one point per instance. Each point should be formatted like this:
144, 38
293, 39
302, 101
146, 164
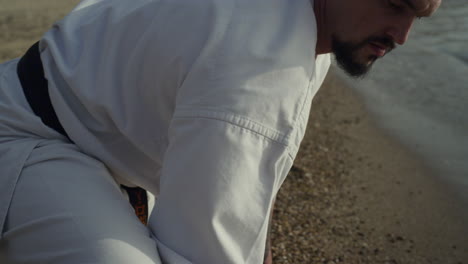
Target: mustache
384, 41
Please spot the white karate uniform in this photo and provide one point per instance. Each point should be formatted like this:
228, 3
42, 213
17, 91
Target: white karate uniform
202, 102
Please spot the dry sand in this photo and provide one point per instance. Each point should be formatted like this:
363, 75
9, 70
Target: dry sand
357, 196
22, 22
353, 196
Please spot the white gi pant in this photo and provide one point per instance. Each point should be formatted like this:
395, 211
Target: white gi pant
66, 207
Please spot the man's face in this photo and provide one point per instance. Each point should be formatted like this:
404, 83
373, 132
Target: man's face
365, 30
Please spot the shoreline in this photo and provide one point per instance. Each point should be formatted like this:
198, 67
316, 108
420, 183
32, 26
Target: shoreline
424, 108
356, 195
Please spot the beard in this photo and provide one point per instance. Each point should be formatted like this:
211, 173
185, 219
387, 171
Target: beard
347, 55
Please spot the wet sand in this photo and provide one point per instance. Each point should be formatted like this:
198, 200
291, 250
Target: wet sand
354, 194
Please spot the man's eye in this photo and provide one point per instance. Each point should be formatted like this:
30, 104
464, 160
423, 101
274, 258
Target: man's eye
394, 5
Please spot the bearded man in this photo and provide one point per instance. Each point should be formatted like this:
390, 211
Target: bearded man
203, 103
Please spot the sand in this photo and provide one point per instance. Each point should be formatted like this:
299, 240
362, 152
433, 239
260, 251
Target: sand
354, 194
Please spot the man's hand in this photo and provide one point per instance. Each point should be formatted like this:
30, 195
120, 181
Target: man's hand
268, 259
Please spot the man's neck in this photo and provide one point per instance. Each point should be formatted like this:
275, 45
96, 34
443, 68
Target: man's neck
323, 39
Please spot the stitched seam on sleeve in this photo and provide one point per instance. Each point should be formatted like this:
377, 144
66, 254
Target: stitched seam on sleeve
239, 121
290, 154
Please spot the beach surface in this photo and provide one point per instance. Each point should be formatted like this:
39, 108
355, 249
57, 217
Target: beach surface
354, 195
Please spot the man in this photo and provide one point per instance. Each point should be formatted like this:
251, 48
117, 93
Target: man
203, 103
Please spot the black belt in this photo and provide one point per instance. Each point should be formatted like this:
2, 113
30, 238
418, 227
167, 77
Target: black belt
31, 75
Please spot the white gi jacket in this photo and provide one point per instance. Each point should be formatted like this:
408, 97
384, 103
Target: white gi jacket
202, 102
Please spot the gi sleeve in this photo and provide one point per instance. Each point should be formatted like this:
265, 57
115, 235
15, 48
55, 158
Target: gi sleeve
219, 178
239, 115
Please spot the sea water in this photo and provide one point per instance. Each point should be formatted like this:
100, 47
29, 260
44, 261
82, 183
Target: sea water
419, 93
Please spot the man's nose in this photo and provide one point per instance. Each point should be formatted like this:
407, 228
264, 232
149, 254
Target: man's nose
400, 30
